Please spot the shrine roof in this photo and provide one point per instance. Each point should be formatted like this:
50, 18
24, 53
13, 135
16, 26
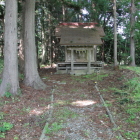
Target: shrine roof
83, 34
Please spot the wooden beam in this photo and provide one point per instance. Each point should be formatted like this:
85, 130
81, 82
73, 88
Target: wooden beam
89, 62
72, 61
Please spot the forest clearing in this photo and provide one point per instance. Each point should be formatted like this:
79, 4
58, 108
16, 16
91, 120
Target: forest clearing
72, 107
69, 70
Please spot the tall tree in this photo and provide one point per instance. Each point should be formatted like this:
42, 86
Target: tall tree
10, 72
21, 48
32, 77
115, 36
132, 32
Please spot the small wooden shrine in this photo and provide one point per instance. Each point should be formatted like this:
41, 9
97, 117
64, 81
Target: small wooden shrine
80, 41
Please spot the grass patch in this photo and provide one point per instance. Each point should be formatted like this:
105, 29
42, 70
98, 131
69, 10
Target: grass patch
60, 117
94, 77
64, 114
101, 76
131, 135
136, 69
53, 128
128, 98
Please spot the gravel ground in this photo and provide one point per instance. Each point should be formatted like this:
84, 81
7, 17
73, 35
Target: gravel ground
91, 123
83, 127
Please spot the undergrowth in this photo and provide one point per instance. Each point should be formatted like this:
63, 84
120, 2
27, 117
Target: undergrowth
128, 97
4, 127
60, 117
94, 77
136, 69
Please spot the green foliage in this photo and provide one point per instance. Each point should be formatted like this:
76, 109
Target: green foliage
21, 76
49, 14
16, 138
7, 94
128, 97
136, 69
1, 115
134, 89
88, 76
132, 109
26, 124
101, 76
53, 128
131, 135
26, 109
93, 77
131, 91
124, 100
64, 114
134, 85
5, 126
72, 4
1, 65
131, 119
107, 104
60, 116
78, 79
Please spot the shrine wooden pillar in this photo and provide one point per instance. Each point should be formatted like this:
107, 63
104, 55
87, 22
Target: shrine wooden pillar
72, 61
89, 62
95, 53
66, 54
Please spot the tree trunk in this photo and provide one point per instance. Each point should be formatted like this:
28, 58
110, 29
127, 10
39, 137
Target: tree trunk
44, 45
132, 32
32, 77
10, 81
115, 36
21, 47
2, 36
49, 40
44, 41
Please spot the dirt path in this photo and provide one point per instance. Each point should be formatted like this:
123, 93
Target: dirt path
70, 108
78, 114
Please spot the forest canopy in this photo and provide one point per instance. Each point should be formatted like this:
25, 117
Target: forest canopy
118, 18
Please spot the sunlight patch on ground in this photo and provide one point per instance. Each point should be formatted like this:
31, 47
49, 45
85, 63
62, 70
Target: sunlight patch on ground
39, 111
84, 103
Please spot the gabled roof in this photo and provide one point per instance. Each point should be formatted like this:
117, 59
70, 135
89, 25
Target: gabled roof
82, 34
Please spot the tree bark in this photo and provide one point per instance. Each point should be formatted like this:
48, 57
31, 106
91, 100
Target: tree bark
10, 81
44, 40
32, 77
44, 47
2, 35
21, 47
132, 32
115, 36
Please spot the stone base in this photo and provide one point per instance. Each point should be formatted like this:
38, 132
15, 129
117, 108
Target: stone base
75, 72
